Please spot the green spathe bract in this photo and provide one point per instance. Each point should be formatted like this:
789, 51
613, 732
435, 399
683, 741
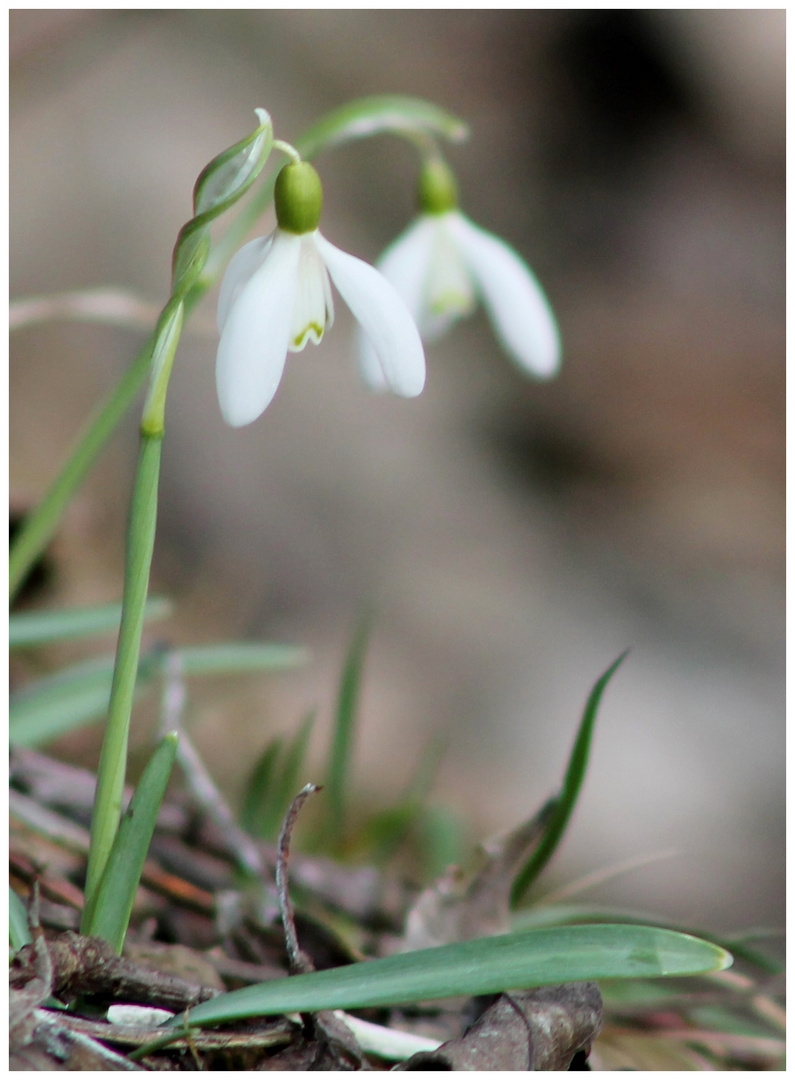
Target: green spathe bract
298, 198
484, 966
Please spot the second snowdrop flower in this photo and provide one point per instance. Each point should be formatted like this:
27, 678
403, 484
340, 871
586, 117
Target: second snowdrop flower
443, 264
276, 296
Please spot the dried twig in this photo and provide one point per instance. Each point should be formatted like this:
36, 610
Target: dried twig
299, 962
202, 786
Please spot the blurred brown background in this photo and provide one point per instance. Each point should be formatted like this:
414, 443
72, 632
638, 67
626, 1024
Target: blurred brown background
515, 536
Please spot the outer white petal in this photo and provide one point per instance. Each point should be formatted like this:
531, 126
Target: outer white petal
519, 310
383, 316
253, 345
242, 266
405, 265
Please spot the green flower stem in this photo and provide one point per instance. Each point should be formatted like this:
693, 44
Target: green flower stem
219, 186
113, 758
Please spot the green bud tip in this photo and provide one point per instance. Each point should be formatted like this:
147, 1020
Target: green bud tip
438, 191
298, 198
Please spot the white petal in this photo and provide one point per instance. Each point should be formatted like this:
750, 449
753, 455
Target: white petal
242, 266
405, 266
406, 262
253, 345
313, 313
383, 316
519, 310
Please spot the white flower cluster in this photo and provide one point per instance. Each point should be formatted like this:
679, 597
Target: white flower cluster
276, 295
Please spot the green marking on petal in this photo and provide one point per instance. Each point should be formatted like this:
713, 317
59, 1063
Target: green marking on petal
456, 303
313, 332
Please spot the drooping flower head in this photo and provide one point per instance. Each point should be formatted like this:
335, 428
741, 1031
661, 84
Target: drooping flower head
276, 297
443, 264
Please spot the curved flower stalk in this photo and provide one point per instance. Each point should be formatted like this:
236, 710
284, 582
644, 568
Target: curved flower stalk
276, 296
444, 263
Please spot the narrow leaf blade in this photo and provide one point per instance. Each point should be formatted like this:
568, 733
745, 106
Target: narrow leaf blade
43, 627
79, 694
484, 966
238, 656
566, 800
342, 740
111, 910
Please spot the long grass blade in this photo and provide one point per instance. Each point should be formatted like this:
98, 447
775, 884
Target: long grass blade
79, 694
43, 627
109, 915
566, 800
485, 966
337, 777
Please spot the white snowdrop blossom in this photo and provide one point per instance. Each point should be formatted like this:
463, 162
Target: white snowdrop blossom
444, 264
276, 296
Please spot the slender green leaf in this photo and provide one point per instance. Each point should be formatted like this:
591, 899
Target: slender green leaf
69, 699
274, 783
18, 930
39, 526
110, 914
565, 802
79, 694
342, 739
256, 810
485, 966
233, 657
44, 627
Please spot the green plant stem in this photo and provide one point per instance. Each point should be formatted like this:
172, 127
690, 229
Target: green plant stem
113, 758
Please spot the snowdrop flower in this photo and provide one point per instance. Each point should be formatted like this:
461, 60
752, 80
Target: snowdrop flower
443, 264
276, 296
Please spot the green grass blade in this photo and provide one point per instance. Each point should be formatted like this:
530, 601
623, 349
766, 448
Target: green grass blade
234, 657
337, 776
275, 782
44, 627
572, 782
111, 910
79, 694
485, 966
18, 930
256, 809
40, 525
69, 699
